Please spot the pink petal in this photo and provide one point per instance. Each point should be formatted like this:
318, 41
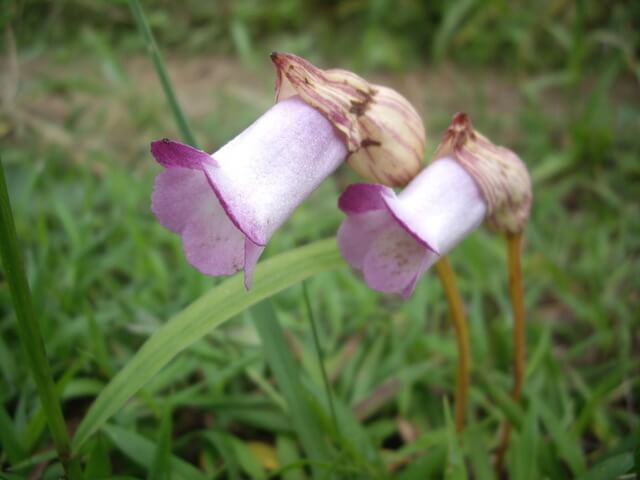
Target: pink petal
357, 233
212, 243
395, 260
363, 197
177, 194
170, 153
183, 202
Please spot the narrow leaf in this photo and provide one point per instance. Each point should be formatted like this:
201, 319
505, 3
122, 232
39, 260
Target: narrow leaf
161, 71
564, 440
285, 369
9, 438
99, 463
289, 459
161, 466
29, 330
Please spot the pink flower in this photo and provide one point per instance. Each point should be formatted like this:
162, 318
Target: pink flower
227, 205
393, 239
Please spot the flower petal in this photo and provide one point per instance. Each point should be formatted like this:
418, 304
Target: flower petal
183, 202
363, 197
170, 153
357, 233
177, 194
211, 242
395, 261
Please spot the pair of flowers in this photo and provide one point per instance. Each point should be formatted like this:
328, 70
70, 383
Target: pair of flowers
227, 205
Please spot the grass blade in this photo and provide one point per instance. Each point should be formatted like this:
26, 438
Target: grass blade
29, 331
161, 70
479, 455
320, 355
9, 440
289, 459
525, 451
611, 468
141, 450
201, 317
565, 441
286, 371
160, 468
223, 443
455, 469
98, 462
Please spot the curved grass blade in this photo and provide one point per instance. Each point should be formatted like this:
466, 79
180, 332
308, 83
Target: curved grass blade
201, 317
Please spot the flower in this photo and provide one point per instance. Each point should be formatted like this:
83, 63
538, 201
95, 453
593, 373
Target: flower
228, 204
393, 239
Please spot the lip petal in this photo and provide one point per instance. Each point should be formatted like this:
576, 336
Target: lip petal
357, 233
212, 243
363, 197
170, 153
178, 194
183, 202
394, 260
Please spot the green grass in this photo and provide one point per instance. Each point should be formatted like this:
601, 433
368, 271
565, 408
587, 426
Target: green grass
106, 278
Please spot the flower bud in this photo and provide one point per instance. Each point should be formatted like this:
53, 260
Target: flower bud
385, 135
501, 175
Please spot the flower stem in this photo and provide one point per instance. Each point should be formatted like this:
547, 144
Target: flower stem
29, 332
316, 343
161, 70
516, 292
448, 279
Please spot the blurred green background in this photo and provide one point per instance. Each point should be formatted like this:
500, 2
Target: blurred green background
558, 81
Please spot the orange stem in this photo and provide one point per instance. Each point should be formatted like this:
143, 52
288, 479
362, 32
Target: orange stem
516, 292
448, 279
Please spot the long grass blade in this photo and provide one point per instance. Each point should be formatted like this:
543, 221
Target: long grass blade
161, 70
320, 355
29, 331
286, 371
